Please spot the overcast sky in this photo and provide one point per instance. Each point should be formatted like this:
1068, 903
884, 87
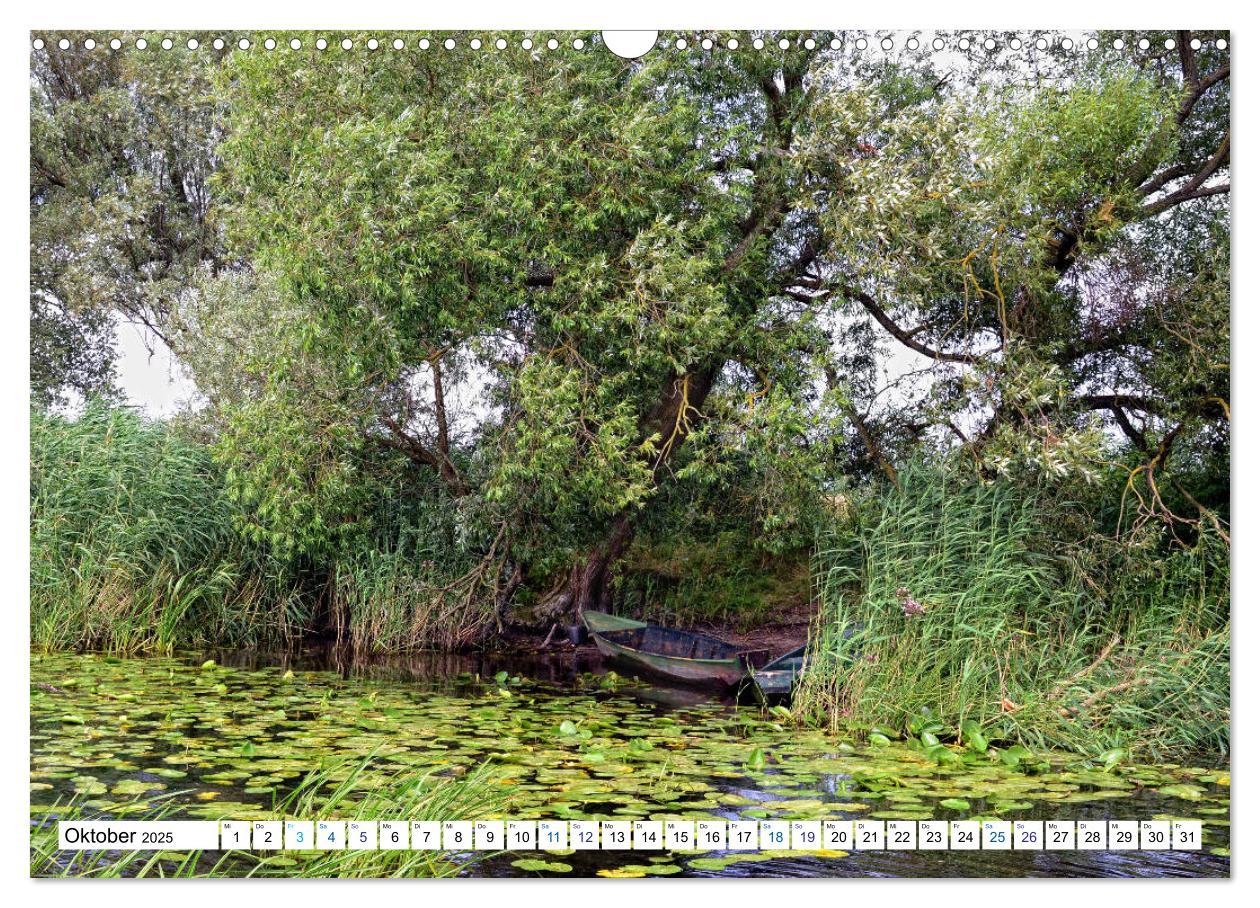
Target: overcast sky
148, 374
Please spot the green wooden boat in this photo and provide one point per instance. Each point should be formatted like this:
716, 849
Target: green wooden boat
682, 656
602, 622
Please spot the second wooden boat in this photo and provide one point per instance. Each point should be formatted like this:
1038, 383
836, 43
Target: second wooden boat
776, 679
682, 656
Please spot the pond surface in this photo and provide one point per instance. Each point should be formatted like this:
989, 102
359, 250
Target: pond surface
557, 739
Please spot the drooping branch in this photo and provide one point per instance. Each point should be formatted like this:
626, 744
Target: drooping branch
907, 336
863, 429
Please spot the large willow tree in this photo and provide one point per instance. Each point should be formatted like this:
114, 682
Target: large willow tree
558, 281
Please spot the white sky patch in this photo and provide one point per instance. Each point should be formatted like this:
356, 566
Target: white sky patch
149, 375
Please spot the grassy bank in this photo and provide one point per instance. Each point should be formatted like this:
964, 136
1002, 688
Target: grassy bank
969, 605
136, 547
133, 546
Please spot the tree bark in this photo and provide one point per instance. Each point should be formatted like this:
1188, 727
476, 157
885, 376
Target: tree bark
446, 466
871, 445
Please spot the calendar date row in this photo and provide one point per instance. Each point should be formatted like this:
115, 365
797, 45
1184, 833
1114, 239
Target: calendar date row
638, 835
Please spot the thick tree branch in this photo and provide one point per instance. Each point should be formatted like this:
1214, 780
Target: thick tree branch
447, 466
1190, 189
1198, 88
1179, 197
869, 442
439, 409
1126, 426
906, 337
1189, 66
1164, 177
1109, 401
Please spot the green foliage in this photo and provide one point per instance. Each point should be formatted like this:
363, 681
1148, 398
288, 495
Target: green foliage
121, 153
971, 601
723, 581
133, 546
557, 462
485, 213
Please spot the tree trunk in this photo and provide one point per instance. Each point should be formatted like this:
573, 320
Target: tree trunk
588, 583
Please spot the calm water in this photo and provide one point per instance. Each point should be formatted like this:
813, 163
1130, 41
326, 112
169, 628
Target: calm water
559, 739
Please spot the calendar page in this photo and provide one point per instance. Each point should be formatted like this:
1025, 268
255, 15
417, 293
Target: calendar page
564, 453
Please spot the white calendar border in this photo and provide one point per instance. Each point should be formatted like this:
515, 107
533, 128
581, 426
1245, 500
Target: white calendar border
653, 14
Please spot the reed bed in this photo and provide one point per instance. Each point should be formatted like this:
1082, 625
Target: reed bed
136, 548
961, 599
133, 546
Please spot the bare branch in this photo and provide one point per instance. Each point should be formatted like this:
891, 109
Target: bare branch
1198, 89
906, 337
401, 440
1179, 197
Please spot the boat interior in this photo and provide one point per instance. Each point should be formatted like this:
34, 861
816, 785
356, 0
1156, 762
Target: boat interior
678, 644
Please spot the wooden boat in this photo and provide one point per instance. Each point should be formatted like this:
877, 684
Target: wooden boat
682, 656
602, 622
776, 679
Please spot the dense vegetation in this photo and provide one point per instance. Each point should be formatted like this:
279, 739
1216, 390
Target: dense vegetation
485, 339
985, 602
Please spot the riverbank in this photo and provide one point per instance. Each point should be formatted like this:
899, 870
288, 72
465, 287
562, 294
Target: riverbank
784, 632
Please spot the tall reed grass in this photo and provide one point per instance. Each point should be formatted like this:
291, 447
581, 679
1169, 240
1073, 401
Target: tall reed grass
967, 603
389, 602
132, 543
135, 548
